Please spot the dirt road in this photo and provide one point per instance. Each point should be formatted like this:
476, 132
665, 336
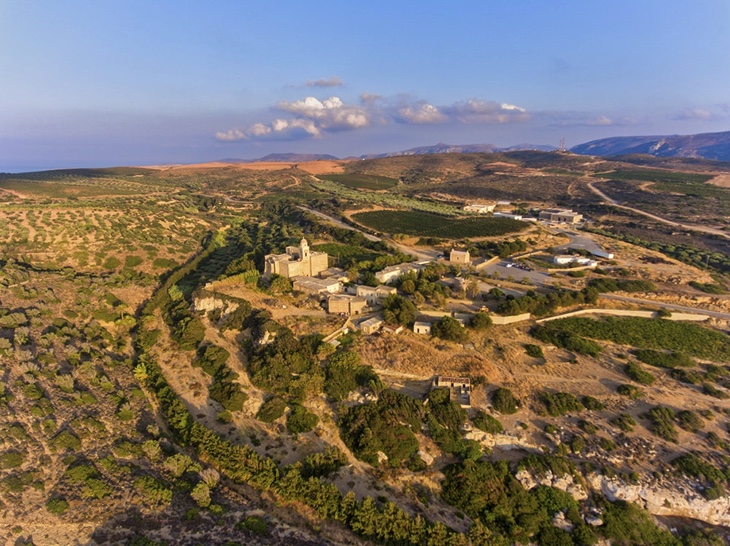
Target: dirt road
613, 202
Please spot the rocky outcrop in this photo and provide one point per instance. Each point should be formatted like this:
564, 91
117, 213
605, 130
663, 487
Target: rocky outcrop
658, 496
211, 303
564, 483
680, 498
505, 441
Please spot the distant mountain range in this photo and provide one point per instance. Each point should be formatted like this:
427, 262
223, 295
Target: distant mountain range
704, 145
439, 148
442, 148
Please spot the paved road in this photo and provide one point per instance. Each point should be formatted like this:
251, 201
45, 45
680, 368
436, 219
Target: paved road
693, 227
582, 242
671, 306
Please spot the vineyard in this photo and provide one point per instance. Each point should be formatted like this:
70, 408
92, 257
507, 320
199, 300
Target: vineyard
431, 225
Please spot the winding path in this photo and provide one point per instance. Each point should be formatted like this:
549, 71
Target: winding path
692, 227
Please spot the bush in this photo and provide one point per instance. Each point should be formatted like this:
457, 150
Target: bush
398, 310
271, 410
481, 321
592, 404
560, 403
662, 359
65, 440
710, 389
301, 420
503, 401
535, 351
565, 339
691, 465
56, 506
11, 459
661, 423
487, 423
690, 421
636, 373
631, 391
255, 524
624, 422
449, 328
626, 524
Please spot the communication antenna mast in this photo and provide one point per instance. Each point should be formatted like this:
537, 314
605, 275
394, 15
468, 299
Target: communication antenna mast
562, 145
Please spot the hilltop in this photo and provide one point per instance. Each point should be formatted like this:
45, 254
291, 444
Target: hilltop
704, 145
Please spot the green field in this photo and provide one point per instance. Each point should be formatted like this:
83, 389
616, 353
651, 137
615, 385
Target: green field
645, 333
362, 181
431, 225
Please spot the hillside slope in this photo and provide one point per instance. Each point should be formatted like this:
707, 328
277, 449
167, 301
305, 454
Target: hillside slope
705, 145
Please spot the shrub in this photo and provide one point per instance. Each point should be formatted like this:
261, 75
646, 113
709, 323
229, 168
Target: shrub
155, 491
535, 351
343, 374
631, 391
626, 524
503, 401
636, 373
690, 421
710, 389
607, 444
662, 359
691, 465
560, 403
398, 310
56, 506
271, 410
487, 423
624, 422
577, 444
449, 328
11, 459
481, 321
301, 420
255, 524
65, 440
592, 404
661, 423
587, 427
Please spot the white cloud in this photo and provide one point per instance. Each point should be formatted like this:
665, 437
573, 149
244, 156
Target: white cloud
231, 135
312, 117
601, 120
420, 114
330, 114
332, 81
694, 113
481, 111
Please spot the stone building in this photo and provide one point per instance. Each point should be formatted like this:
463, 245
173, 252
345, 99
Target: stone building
460, 257
560, 216
348, 305
296, 262
375, 295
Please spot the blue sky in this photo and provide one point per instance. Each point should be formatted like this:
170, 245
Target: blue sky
143, 82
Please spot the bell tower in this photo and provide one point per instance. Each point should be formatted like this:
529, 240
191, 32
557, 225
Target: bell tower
303, 250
